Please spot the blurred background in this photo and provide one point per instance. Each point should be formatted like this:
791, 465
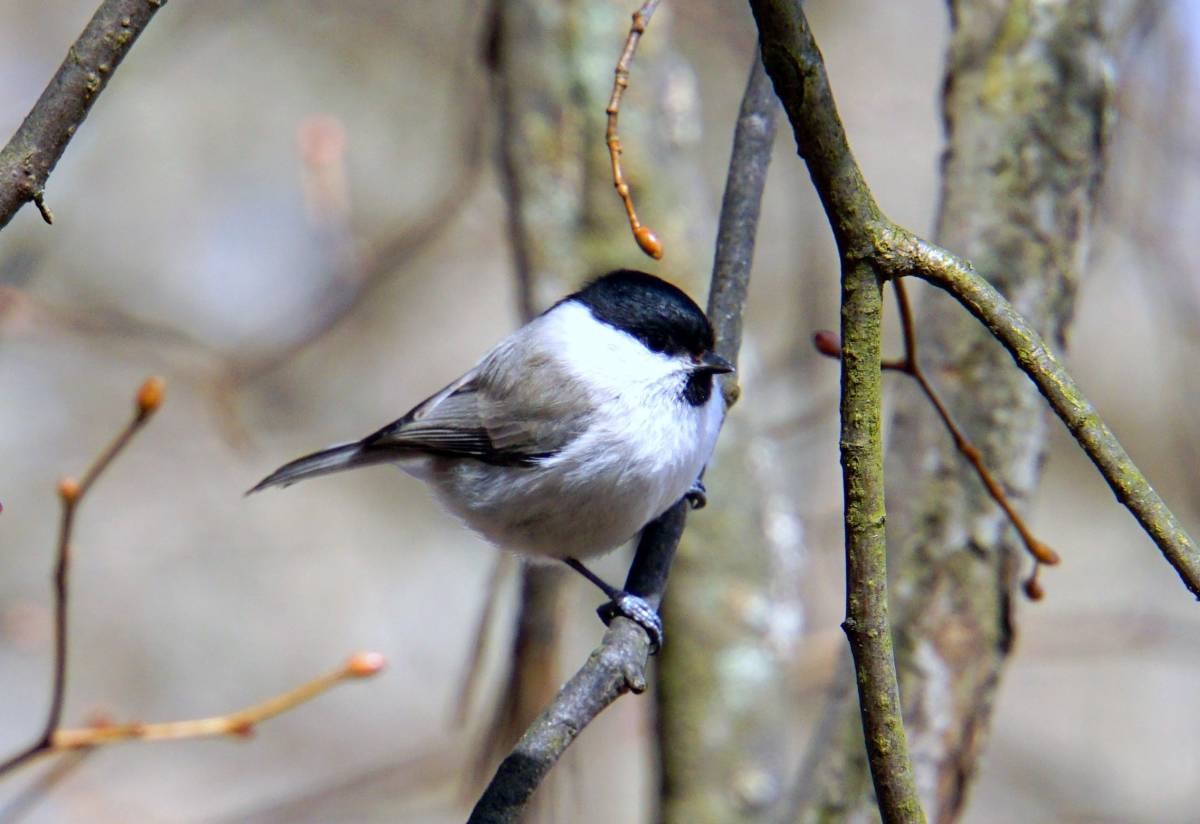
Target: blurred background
293, 212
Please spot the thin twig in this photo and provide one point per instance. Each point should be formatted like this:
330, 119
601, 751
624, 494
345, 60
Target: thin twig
827, 344
53, 738
238, 723
34, 150
618, 664
909, 255
71, 494
647, 241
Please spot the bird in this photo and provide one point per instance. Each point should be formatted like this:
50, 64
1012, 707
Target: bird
571, 434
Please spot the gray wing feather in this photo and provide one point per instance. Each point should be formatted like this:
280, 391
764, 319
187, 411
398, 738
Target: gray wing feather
495, 413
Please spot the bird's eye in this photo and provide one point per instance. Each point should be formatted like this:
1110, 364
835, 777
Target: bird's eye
657, 342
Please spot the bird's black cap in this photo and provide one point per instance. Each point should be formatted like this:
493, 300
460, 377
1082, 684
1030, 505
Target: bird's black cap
658, 314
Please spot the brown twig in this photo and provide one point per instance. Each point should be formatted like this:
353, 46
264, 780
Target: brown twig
827, 344
35, 148
238, 723
71, 493
647, 241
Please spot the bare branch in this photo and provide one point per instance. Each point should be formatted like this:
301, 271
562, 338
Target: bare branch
797, 70
71, 493
55, 739
827, 344
614, 668
908, 254
647, 241
753, 139
35, 148
238, 723
618, 664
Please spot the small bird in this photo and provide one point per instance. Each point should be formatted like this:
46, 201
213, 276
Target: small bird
570, 435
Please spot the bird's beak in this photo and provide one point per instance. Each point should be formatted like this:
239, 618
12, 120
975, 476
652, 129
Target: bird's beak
714, 364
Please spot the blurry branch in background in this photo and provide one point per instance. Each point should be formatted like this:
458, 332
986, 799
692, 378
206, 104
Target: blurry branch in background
618, 664
238, 723
39, 142
724, 743
647, 241
827, 344
359, 269
53, 738
71, 493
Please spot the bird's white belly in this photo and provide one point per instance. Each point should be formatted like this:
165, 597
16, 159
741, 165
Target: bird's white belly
591, 498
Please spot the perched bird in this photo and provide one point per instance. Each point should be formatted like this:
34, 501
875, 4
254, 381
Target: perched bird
571, 434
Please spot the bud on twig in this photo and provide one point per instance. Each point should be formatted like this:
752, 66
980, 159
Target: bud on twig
365, 664
827, 343
150, 396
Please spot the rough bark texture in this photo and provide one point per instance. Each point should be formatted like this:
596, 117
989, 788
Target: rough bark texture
1026, 107
33, 152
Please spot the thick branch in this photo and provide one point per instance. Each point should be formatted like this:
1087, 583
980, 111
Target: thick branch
797, 70
35, 148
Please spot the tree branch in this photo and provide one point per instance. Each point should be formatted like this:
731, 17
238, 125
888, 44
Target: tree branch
614, 668
908, 254
35, 148
873, 249
797, 69
618, 664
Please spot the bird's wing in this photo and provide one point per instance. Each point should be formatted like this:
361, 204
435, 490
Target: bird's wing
495, 413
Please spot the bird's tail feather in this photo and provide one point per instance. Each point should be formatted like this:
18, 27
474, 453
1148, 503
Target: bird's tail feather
333, 459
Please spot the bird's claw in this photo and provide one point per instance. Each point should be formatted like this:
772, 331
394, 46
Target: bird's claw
697, 496
636, 609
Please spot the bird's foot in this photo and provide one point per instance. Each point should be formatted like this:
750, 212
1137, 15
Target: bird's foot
697, 496
636, 609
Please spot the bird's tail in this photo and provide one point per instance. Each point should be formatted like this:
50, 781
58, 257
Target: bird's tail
333, 459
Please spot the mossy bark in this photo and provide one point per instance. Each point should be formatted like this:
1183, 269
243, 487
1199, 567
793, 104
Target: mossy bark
1026, 107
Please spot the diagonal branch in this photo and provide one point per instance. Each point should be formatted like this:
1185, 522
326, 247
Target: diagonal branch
35, 148
618, 664
909, 255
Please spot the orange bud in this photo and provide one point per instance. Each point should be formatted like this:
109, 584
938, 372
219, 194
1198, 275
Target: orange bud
827, 343
1043, 553
100, 719
68, 489
150, 395
365, 664
649, 242
1033, 588
242, 729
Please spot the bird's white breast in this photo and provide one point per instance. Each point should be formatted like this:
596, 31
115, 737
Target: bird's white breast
642, 450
